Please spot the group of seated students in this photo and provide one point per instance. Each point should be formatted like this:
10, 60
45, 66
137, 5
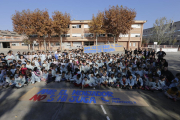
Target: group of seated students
127, 71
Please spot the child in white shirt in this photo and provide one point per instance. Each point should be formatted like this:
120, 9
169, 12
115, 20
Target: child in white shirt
105, 79
92, 80
85, 82
162, 83
124, 82
68, 76
58, 77
78, 81
20, 81
112, 80
98, 80
138, 83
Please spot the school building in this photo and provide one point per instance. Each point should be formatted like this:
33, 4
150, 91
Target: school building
77, 35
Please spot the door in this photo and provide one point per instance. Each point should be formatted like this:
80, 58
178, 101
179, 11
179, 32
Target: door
6, 45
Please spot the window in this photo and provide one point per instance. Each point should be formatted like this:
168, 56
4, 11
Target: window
76, 26
16, 38
52, 44
135, 35
134, 44
15, 44
86, 26
37, 44
76, 35
23, 44
125, 35
129, 44
101, 35
110, 35
8, 38
136, 25
65, 35
88, 35
57, 44
2, 38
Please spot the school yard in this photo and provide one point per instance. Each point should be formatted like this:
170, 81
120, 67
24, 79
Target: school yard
160, 107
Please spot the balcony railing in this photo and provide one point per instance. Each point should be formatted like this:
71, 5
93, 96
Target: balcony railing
10, 38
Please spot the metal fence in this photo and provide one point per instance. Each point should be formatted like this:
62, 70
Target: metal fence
163, 46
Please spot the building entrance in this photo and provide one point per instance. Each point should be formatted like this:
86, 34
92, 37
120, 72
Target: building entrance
6, 45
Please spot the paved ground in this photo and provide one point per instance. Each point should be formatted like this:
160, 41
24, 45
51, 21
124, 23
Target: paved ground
160, 108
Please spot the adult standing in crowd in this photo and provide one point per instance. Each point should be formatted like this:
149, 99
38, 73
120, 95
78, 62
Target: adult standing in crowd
160, 54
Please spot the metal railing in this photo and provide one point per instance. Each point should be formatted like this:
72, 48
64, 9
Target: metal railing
163, 46
10, 38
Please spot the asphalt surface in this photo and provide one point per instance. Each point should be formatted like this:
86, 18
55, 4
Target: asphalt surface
160, 107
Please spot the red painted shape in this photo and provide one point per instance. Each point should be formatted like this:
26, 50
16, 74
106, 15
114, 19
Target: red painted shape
38, 97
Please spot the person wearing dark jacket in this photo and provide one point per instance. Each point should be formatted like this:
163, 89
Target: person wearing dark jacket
153, 53
140, 51
135, 51
168, 74
160, 54
125, 50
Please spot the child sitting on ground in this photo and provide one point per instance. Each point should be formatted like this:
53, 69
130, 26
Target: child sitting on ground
124, 82
78, 81
68, 76
44, 76
20, 81
98, 80
112, 81
173, 93
85, 83
58, 77
105, 79
138, 83
162, 83
12, 82
49, 78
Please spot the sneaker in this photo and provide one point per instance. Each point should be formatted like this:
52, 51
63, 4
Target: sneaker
94, 88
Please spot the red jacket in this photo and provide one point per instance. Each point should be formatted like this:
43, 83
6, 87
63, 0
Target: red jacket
23, 71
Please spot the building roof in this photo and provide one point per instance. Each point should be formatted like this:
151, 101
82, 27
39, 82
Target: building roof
86, 21
8, 33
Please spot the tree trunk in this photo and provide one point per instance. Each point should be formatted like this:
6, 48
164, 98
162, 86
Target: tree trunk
96, 38
61, 42
114, 39
33, 45
44, 44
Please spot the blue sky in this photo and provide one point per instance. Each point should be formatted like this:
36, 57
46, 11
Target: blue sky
148, 10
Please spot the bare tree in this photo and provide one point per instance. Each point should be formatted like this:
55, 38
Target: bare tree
162, 31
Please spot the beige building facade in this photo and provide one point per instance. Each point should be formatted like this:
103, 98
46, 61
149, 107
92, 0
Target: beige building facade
78, 35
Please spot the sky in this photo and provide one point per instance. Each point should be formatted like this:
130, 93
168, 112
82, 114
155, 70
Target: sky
148, 10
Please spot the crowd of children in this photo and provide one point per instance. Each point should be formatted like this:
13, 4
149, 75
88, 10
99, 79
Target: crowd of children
138, 69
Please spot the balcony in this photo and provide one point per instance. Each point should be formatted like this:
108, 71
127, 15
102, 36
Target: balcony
9, 39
